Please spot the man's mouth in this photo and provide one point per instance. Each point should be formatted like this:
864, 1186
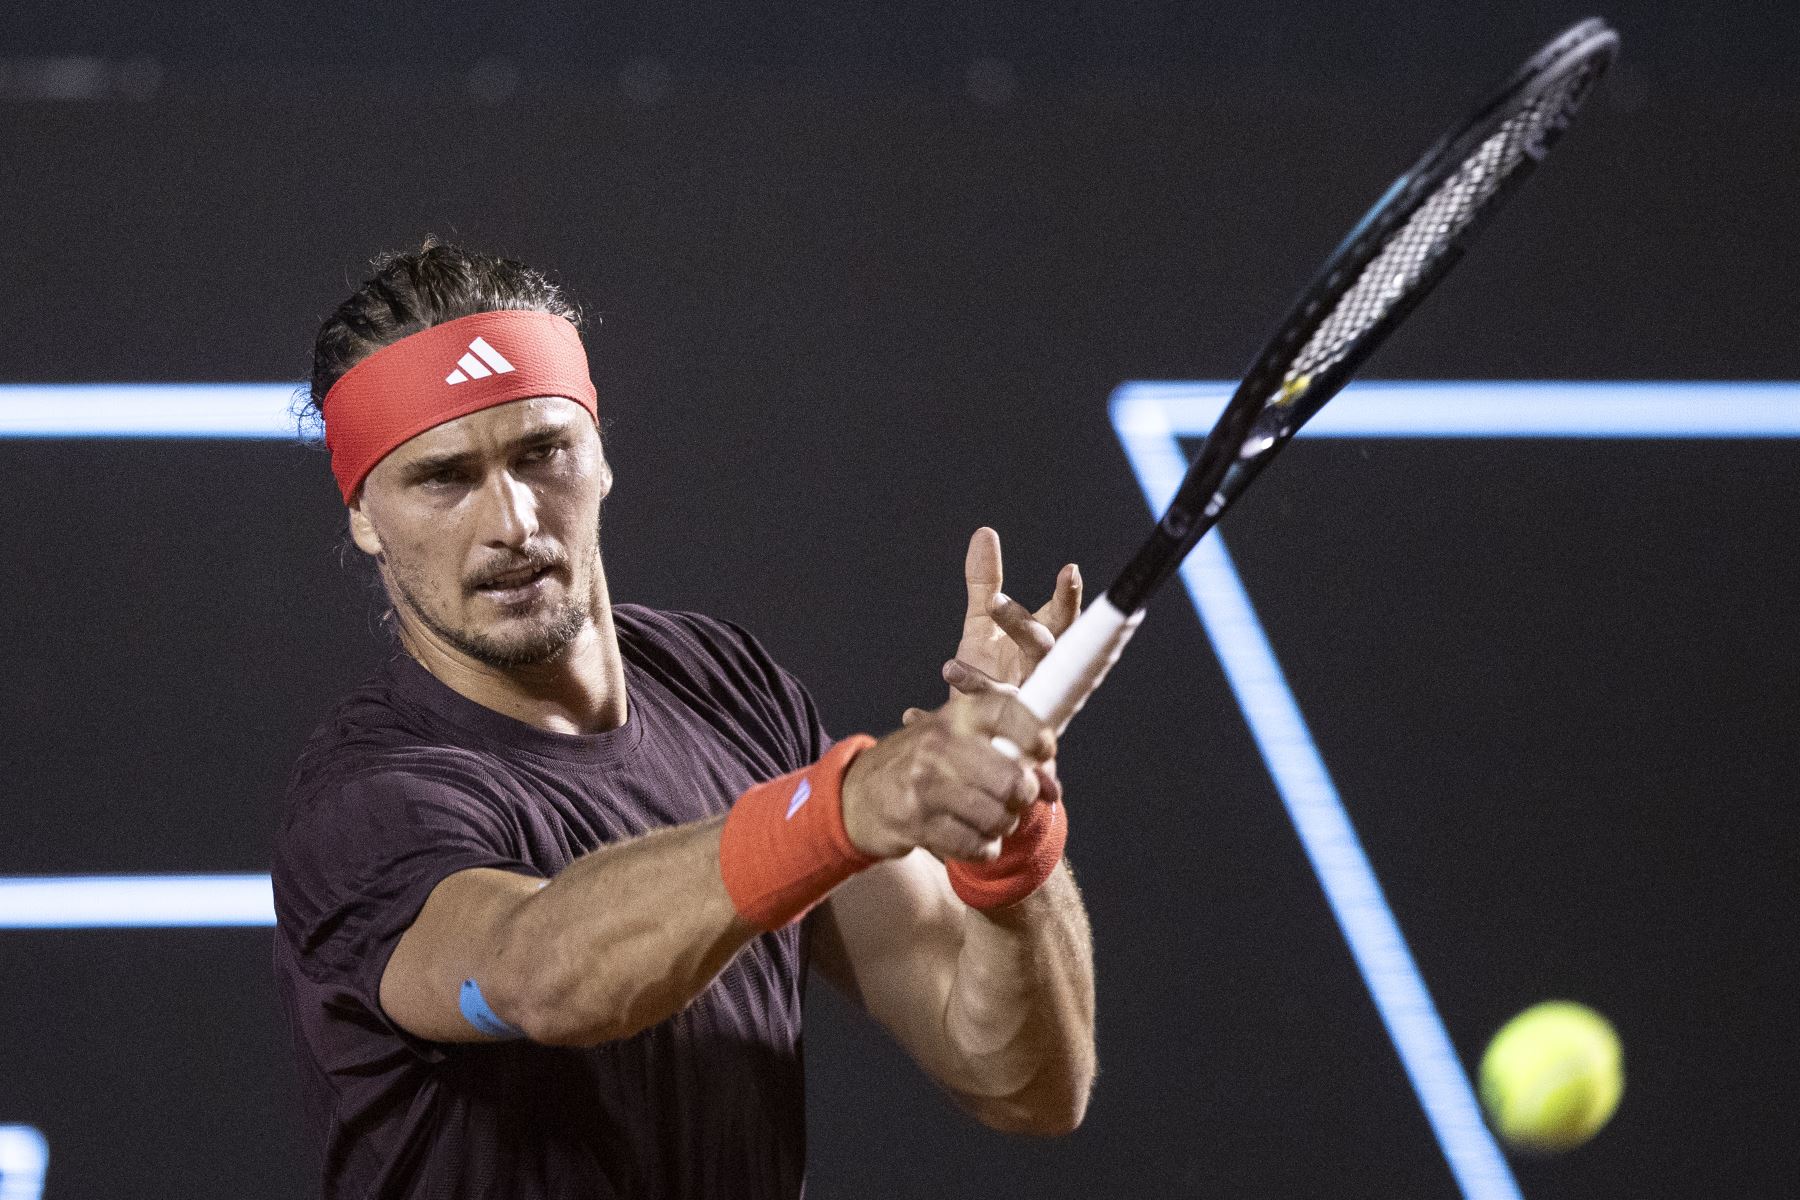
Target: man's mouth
513, 586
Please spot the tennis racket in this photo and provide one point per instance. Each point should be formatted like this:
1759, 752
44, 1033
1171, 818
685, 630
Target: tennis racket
1393, 257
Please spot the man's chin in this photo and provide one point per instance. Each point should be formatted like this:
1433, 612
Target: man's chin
542, 641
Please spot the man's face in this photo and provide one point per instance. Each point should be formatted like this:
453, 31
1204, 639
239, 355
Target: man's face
487, 529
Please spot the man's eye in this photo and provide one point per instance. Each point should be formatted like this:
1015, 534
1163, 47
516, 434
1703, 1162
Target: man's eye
542, 453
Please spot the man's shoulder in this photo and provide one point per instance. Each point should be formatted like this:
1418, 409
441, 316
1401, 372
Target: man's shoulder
370, 733
694, 641
718, 667
693, 630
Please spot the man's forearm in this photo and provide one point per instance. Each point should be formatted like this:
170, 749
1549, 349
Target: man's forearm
623, 938
1020, 1013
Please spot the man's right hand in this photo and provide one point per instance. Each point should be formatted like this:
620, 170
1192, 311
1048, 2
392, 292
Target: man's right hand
940, 784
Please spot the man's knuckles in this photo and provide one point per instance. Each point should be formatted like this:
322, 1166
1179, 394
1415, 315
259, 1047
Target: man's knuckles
998, 824
962, 842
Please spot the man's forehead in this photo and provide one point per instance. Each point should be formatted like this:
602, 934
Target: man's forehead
494, 427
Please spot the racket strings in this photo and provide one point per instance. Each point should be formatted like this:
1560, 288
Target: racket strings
1412, 251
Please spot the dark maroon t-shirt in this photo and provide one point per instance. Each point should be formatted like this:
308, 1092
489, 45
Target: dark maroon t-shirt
408, 782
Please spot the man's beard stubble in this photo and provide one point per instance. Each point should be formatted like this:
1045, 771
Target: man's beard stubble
540, 645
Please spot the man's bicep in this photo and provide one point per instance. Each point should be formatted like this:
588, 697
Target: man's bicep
456, 937
888, 939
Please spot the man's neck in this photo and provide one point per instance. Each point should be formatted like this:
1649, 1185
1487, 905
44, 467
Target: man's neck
581, 690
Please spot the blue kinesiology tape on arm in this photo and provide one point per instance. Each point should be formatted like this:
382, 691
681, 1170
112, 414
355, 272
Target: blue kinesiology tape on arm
476, 1012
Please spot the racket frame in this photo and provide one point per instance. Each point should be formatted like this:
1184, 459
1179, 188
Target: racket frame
1267, 410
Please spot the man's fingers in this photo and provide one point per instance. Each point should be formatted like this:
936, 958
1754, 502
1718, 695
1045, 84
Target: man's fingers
994, 714
982, 572
969, 757
1032, 637
1020, 726
952, 837
971, 680
966, 679
985, 771
1027, 790
984, 816
1065, 602
945, 785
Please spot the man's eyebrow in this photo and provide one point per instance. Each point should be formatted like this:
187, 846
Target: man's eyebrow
537, 437
431, 464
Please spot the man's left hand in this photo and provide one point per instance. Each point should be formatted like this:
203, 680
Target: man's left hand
1003, 641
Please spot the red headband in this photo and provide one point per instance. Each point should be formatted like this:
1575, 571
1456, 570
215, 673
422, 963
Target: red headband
446, 372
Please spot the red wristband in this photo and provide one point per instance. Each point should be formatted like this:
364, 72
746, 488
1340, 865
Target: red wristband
1027, 857
784, 846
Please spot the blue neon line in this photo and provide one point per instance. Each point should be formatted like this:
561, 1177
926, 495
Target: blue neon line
134, 901
1325, 831
24, 1161
1497, 409
148, 410
1344, 870
1366, 409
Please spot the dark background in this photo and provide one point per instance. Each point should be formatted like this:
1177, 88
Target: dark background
864, 276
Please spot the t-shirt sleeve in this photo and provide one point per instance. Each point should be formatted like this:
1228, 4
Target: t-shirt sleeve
734, 682
356, 862
788, 703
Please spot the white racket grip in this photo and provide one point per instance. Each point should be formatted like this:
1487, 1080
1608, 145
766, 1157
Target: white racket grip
1077, 663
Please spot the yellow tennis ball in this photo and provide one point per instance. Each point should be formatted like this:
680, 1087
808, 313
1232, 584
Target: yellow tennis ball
1552, 1076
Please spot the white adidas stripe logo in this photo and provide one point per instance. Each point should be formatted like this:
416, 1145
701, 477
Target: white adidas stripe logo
481, 361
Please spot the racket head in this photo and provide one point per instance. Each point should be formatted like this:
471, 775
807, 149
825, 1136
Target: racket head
1419, 228
1378, 274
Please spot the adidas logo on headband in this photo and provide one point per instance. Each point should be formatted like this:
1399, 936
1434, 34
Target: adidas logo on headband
481, 361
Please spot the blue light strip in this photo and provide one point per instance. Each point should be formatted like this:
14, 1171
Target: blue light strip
1369, 409
134, 901
1324, 827
24, 1161
1496, 410
148, 410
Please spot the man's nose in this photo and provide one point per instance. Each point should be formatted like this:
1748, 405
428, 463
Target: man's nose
511, 511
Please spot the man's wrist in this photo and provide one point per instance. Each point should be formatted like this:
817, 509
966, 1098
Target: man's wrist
1028, 856
784, 846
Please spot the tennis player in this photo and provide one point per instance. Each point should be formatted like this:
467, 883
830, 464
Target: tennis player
549, 883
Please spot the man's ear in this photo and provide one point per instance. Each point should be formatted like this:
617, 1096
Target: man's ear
606, 476
362, 531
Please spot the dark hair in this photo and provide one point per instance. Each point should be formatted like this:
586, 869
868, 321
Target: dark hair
416, 290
